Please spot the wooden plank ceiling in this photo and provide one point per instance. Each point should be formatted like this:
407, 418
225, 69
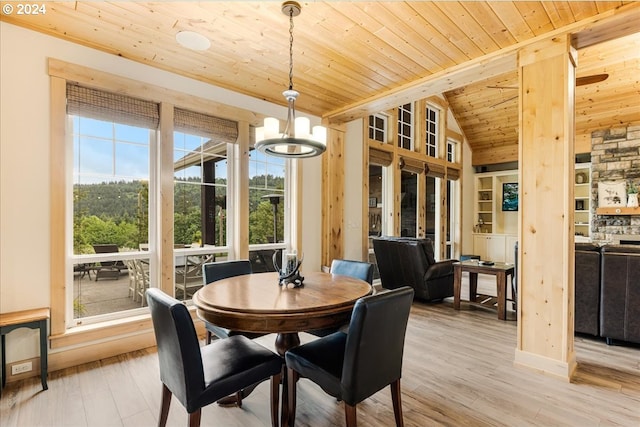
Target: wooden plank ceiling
345, 52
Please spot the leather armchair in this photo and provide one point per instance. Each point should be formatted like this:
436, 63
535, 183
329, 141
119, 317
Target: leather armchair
620, 293
406, 261
587, 288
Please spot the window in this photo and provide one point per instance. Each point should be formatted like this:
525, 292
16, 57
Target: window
201, 143
408, 204
405, 126
266, 209
432, 124
113, 138
452, 145
378, 127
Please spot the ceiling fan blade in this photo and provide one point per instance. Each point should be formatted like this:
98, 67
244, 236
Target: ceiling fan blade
503, 101
594, 78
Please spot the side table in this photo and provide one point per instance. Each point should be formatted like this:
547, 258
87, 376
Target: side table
34, 319
500, 270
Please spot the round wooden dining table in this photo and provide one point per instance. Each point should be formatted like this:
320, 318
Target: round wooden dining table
256, 303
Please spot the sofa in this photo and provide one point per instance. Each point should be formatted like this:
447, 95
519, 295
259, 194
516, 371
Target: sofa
587, 288
620, 293
407, 261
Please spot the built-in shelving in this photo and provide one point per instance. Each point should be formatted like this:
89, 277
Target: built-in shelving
582, 199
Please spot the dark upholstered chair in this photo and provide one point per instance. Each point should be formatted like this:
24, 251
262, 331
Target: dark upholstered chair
353, 366
587, 288
200, 376
406, 261
358, 269
620, 293
214, 271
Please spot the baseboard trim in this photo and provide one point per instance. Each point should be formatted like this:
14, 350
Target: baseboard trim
547, 366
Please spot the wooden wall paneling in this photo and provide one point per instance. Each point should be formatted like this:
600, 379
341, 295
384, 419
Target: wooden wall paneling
545, 312
365, 193
164, 254
493, 155
333, 199
57, 185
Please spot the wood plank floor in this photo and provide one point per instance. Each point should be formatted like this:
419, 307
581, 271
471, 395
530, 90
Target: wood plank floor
458, 370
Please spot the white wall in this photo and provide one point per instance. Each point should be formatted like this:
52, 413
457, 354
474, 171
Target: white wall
353, 149
24, 163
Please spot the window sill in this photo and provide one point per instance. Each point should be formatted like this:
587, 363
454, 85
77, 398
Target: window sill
104, 331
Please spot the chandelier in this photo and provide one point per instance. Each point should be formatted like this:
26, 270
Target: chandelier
296, 141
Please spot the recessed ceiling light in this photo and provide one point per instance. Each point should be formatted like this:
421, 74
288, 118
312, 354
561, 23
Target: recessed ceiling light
192, 40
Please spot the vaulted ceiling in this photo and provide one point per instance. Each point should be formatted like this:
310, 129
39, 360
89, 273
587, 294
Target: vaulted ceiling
353, 57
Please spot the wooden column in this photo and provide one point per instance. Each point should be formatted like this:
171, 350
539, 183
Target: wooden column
333, 196
546, 158
238, 212
164, 255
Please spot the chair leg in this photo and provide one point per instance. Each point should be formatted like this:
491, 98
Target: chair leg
275, 399
209, 337
164, 406
397, 403
350, 415
292, 379
194, 418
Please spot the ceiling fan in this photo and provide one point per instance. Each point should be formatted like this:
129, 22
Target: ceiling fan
580, 81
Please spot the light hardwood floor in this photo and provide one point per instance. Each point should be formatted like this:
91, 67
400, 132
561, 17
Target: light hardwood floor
458, 370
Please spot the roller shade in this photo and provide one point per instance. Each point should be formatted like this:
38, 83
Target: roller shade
411, 165
435, 170
380, 157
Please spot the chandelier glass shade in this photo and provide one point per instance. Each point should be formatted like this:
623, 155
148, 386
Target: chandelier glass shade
297, 140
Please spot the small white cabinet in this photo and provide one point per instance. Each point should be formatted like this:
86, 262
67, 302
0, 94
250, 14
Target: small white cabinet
494, 247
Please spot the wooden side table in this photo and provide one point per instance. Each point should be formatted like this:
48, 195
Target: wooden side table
473, 267
34, 319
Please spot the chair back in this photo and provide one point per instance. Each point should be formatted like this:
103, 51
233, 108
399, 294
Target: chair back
357, 269
178, 348
403, 260
214, 271
106, 249
375, 343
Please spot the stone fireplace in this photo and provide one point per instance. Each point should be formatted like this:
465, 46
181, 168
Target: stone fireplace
615, 156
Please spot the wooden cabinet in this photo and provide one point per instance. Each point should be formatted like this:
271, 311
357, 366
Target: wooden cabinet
582, 200
492, 247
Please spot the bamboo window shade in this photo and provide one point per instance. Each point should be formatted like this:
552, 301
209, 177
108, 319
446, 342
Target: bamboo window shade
435, 170
380, 157
453, 174
194, 123
108, 106
412, 165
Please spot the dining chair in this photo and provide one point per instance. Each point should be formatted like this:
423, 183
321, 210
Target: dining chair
199, 376
353, 366
357, 269
214, 271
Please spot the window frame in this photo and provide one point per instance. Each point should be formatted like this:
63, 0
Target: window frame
428, 135
59, 73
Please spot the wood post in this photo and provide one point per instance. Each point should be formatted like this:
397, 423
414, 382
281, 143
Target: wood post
546, 158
